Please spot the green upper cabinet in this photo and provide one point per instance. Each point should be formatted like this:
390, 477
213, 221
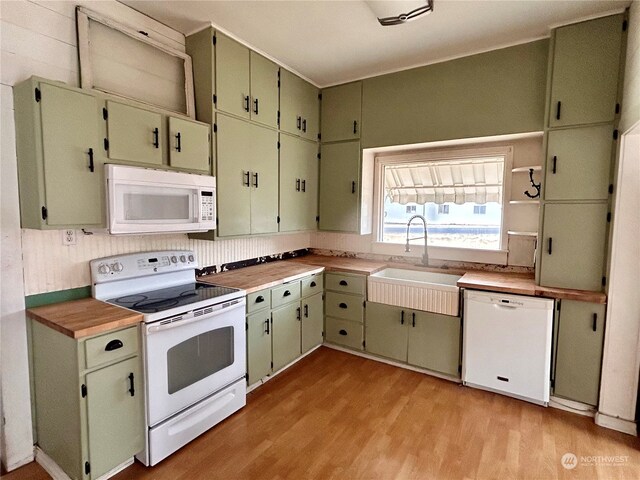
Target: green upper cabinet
247, 178
578, 163
115, 415
387, 332
299, 106
586, 62
573, 245
232, 77
60, 156
264, 90
434, 342
579, 351
189, 146
339, 186
134, 134
200, 46
298, 184
341, 112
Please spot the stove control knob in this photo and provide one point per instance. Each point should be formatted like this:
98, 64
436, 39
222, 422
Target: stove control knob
191, 259
117, 267
174, 259
103, 269
183, 258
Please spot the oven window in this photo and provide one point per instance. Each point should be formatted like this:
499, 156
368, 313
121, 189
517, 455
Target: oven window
198, 357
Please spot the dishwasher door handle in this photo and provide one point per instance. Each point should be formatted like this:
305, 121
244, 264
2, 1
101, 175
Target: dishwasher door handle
502, 305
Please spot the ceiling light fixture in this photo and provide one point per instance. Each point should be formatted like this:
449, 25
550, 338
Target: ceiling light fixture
401, 18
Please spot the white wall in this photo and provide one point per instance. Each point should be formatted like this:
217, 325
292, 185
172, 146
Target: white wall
621, 359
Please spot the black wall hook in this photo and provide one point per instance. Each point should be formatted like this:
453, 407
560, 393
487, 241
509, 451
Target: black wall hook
534, 185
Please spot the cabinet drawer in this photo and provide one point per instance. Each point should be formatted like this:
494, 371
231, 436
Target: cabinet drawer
312, 285
348, 307
258, 300
344, 332
346, 283
287, 293
111, 347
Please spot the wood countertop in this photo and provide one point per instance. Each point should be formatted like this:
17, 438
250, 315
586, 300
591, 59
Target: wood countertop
82, 318
524, 285
258, 277
342, 264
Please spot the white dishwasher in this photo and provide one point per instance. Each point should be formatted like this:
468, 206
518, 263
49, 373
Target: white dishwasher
507, 344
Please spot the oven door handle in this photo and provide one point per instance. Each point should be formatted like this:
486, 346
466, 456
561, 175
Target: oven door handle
217, 309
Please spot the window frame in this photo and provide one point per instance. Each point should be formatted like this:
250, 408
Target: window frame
382, 159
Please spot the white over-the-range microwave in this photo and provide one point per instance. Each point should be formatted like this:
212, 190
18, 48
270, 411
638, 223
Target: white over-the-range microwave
148, 200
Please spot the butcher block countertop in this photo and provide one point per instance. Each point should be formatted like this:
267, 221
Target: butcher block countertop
83, 318
342, 264
522, 284
259, 277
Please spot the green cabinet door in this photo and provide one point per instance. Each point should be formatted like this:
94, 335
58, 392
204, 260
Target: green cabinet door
310, 185
291, 100
586, 63
339, 186
232, 77
310, 112
233, 176
264, 90
573, 245
578, 163
341, 112
263, 159
115, 415
189, 146
285, 324
298, 184
258, 346
134, 134
312, 321
434, 342
73, 161
386, 331
579, 351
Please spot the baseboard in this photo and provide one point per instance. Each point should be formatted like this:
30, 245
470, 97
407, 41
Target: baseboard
49, 465
358, 353
572, 406
53, 469
615, 423
264, 380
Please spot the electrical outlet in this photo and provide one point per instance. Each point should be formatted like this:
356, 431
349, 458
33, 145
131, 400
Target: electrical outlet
68, 237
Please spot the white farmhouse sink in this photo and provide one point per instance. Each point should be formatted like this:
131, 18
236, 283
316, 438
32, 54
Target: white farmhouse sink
428, 291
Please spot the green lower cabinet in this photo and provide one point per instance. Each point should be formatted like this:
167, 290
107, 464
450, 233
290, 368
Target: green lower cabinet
312, 321
434, 342
579, 351
344, 333
386, 331
258, 346
285, 341
115, 411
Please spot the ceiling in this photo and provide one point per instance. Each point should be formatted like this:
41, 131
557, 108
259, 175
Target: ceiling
332, 42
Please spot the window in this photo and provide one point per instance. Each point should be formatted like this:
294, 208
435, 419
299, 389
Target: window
459, 192
411, 209
479, 209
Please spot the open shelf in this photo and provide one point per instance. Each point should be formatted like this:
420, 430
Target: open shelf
536, 168
522, 234
524, 202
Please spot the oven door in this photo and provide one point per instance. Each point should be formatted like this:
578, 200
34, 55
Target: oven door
190, 359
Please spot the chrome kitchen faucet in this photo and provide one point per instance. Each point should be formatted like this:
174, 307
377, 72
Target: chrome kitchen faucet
425, 257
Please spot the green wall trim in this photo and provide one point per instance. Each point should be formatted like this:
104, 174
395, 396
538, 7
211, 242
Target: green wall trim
493, 93
48, 298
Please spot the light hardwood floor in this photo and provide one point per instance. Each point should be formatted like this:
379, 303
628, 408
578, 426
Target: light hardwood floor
335, 415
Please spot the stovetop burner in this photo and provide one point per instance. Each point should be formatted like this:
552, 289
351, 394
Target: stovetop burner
167, 298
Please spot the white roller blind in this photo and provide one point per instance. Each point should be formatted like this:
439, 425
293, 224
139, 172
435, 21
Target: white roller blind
478, 180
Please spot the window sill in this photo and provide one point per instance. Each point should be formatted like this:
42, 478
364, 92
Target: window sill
495, 257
